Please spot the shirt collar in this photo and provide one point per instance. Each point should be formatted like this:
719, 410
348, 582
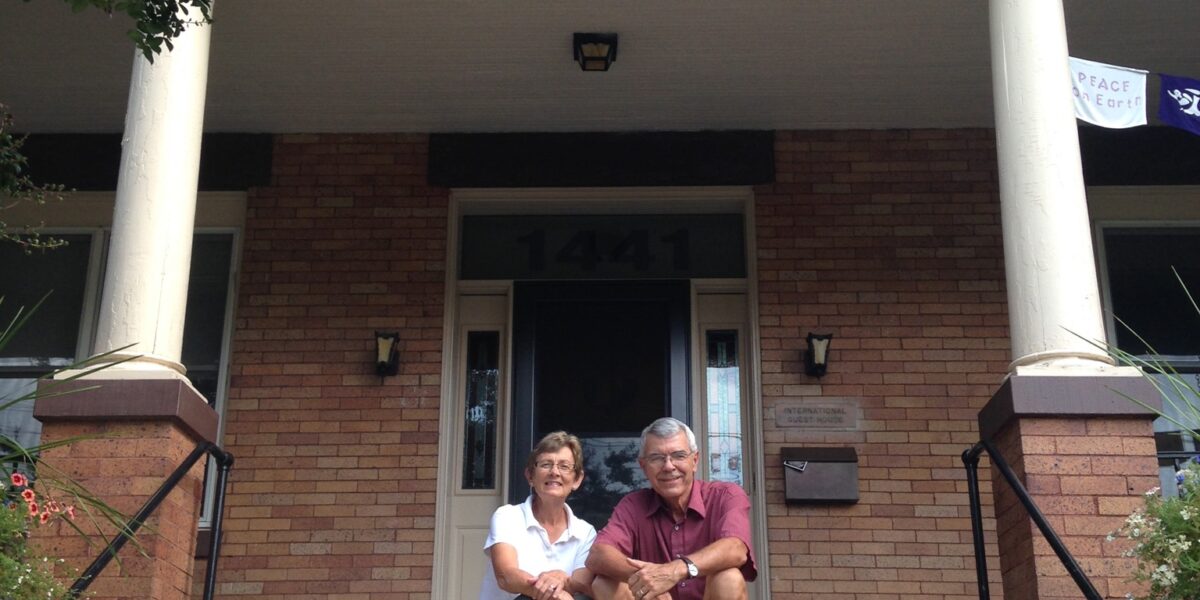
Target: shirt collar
575, 527
695, 502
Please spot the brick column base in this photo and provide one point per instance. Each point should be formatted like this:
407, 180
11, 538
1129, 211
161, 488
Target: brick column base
138, 432
1086, 455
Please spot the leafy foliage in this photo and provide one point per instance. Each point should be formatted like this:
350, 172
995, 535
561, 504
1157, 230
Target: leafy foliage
156, 22
24, 572
16, 187
1165, 538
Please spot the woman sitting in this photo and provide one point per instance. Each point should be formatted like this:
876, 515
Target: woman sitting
538, 548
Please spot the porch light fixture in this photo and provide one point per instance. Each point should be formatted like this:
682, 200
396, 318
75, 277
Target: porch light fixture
387, 353
816, 358
595, 51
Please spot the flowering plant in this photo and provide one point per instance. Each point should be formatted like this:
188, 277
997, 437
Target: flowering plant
25, 573
1165, 535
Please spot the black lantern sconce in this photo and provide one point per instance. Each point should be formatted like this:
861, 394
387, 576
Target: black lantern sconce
816, 358
387, 354
595, 51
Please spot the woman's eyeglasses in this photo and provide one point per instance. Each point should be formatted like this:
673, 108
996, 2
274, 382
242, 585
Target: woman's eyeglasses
563, 467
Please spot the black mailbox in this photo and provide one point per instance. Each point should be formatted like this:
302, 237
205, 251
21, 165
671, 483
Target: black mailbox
820, 475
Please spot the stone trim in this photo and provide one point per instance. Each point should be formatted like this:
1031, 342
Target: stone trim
131, 400
1065, 396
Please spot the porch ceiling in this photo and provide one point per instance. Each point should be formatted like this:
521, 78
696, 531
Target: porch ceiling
505, 65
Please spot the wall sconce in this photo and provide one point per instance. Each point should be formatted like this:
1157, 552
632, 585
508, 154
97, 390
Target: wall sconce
595, 51
816, 358
387, 353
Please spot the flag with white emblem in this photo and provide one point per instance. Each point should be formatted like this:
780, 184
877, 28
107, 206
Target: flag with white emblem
1179, 102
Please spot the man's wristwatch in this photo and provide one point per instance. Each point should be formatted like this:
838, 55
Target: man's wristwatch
693, 570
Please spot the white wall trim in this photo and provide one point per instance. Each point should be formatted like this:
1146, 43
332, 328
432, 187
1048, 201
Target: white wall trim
446, 412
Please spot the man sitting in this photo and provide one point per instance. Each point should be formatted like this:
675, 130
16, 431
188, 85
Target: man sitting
684, 538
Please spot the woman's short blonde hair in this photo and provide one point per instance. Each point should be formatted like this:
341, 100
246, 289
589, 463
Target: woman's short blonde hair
553, 442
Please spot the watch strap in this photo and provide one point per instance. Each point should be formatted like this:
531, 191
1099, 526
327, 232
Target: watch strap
692, 569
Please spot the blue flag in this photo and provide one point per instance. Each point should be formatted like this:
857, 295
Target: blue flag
1179, 102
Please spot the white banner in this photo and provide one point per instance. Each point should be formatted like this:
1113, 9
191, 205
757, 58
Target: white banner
1107, 95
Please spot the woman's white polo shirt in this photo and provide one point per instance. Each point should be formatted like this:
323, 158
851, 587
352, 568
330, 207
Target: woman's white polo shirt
515, 525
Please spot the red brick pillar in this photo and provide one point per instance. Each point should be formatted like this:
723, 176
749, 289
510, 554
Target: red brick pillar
1086, 455
139, 432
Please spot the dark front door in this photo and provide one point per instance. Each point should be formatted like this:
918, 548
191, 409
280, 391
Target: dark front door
600, 360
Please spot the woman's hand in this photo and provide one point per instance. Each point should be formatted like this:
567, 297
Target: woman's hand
551, 585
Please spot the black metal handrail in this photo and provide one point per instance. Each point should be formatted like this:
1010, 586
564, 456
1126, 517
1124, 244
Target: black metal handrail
970, 460
224, 463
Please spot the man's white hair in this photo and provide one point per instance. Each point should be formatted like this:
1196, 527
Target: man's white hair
667, 427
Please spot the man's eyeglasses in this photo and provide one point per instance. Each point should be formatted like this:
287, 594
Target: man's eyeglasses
677, 458
563, 467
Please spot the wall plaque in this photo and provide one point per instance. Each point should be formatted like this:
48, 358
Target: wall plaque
827, 413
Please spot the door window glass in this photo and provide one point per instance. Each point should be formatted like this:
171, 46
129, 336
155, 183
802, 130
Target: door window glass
602, 361
724, 403
482, 391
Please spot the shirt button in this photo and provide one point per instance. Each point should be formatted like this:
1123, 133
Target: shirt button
676, 528
683, 584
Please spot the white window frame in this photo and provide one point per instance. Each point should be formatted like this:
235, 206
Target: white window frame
91, 212
1139, 207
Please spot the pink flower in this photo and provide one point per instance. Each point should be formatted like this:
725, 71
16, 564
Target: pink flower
33, 509
53, 506
19, 479
44, 517
28, 495
71, 512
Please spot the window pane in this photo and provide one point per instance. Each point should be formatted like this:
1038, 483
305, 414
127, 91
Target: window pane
1145, 293
204, 328
1180, 403
48, 339
17, 421
723, 381
479, 440
1147, 296
52, 331
204, 322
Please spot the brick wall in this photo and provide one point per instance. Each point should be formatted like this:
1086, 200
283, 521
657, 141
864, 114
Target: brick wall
1086, 476
891, 241
123, 463
332, 494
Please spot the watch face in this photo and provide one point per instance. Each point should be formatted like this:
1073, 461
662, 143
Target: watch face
693, 570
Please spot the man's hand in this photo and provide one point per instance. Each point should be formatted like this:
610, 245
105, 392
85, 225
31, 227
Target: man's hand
551, 585
653, 580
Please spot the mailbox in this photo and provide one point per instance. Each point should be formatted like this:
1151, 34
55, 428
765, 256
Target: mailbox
820, 475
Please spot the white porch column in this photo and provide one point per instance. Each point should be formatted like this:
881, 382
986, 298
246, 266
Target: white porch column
145, 289
1050, 269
